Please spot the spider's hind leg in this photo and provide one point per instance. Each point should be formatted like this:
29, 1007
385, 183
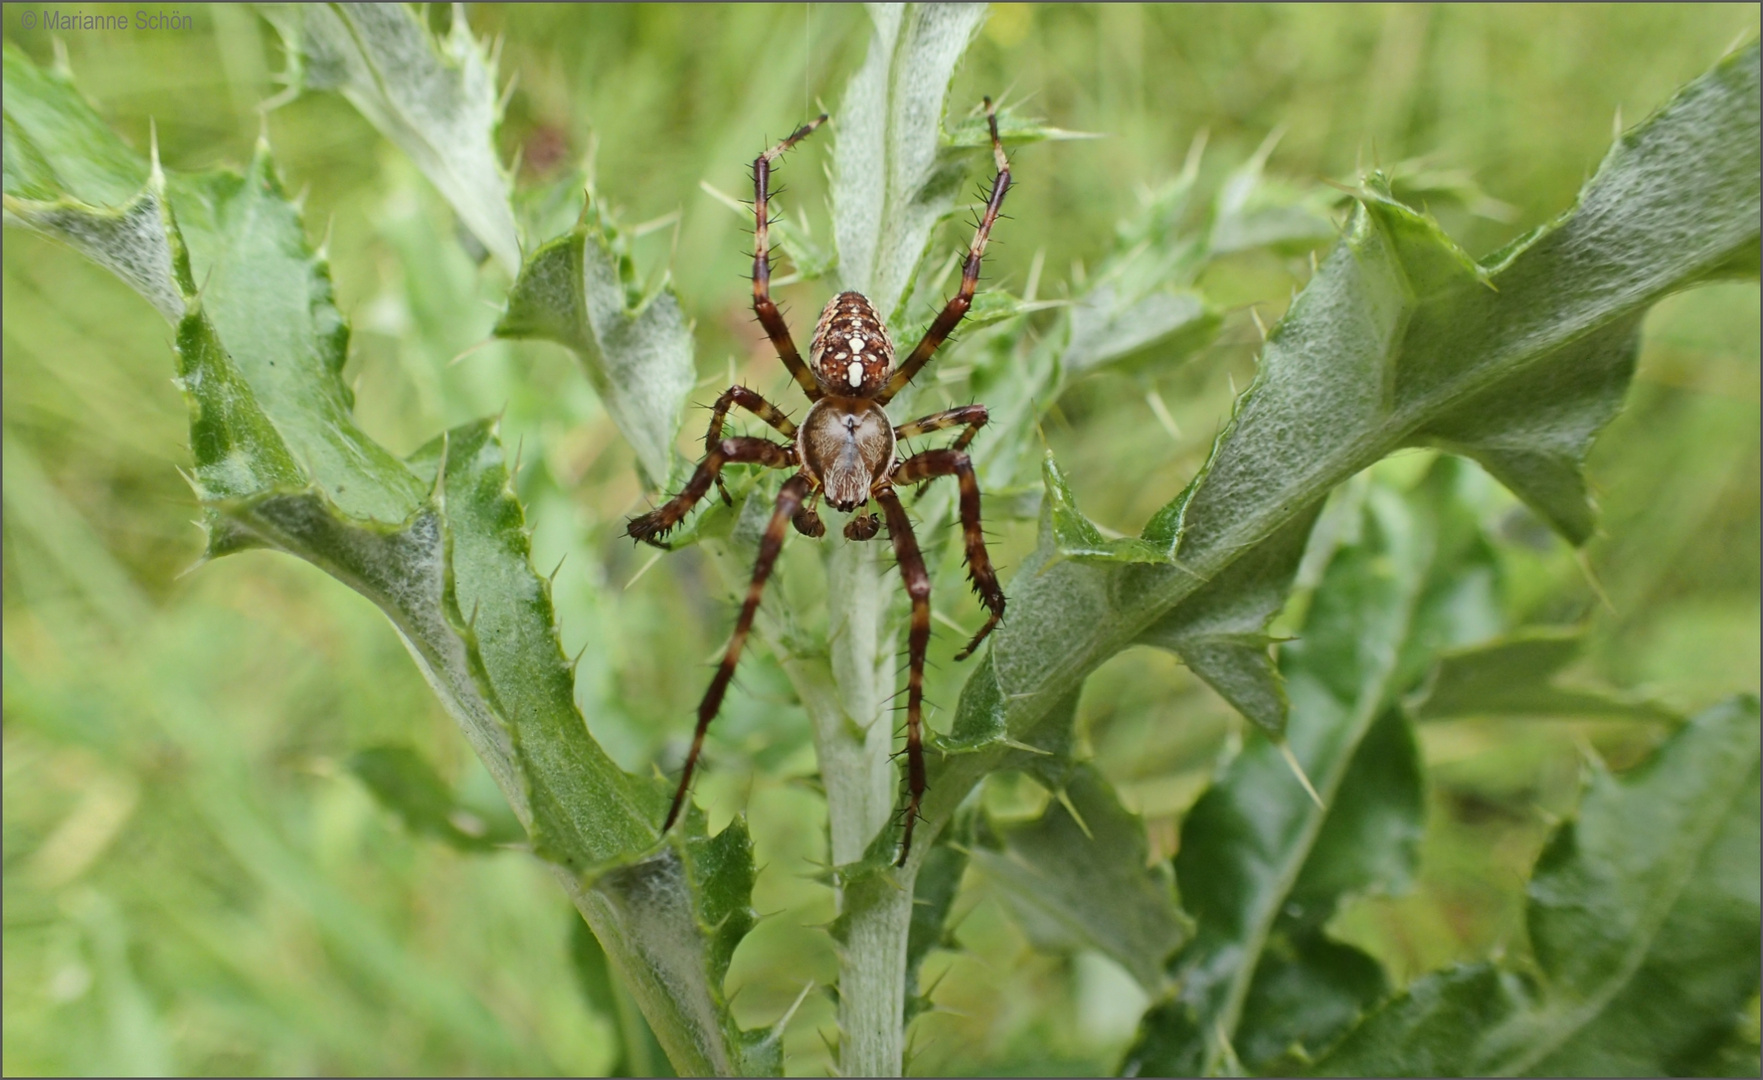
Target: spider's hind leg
930, 465
917, 580
788, 500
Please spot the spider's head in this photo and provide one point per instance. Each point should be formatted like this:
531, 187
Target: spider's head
851, 354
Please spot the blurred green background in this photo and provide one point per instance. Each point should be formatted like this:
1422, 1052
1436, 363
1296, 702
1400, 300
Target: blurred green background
196, 882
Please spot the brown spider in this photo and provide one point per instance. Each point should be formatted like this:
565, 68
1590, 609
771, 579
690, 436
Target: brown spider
845, 450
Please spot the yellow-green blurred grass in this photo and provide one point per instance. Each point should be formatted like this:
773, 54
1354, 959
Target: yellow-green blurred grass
195, 884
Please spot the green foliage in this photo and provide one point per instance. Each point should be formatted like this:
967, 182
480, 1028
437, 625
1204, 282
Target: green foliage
1518, 675
434, 97
400, 778
894, 176
1262, 867
1402, 339
580, 290
1642, 917
1075, 879
438, 542
1332, 608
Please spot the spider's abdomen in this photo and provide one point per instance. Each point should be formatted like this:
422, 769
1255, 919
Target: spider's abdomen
851, 354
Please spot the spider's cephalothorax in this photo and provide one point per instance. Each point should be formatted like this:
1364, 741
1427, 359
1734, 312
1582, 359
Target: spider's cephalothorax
846, 451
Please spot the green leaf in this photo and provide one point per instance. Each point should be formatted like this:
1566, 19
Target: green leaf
1400, 339
1109, 325
680, 913
68, 176
1013, 128
895, 177
1221, 632
435, 98
1075, 536
1075, 878
933, 895
581, 291
1420, 182
1252, 211
1139, 313
1261, 866
1308, 988
638, 1053
438, 542
1516, 676
1643, 921
410, 787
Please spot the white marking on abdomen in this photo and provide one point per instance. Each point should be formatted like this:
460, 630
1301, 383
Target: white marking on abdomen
855, 373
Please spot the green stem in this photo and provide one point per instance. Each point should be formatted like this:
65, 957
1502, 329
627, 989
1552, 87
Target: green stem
853, 731
854, 740
876, 914
845, 693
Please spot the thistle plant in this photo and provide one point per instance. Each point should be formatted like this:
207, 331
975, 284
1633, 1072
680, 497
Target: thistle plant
1503, 369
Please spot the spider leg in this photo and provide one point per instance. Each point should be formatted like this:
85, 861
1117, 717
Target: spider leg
973, 417
956, 463
917, 580
958, 304
753, 402
788, 500
740, 449
763, 305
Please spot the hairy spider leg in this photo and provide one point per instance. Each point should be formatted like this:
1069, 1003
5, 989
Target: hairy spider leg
753, 402
735, 450
788, 500
973, 417
930, 465
957, 306
917, 580
763, 306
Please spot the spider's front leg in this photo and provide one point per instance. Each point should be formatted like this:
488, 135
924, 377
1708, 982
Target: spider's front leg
740, 449
753, 402
930, 465
917, 580
956, 308
789, 499
763, 306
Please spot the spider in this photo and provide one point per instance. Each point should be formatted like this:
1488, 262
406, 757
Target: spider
846, 451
